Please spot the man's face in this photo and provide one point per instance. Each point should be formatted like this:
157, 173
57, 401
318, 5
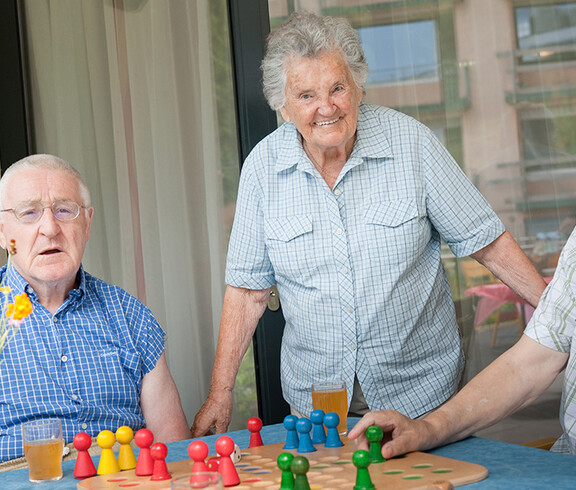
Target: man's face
49, 252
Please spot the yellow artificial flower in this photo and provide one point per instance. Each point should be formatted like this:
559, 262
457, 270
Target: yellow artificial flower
5, 290
21, 307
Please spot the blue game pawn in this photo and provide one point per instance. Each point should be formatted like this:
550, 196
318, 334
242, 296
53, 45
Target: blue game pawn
331, 421
291, 433
318, 434
304, 426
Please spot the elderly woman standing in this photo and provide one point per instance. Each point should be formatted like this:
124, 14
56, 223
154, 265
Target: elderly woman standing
343, 207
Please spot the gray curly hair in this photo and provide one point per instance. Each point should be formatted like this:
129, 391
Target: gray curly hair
305, 34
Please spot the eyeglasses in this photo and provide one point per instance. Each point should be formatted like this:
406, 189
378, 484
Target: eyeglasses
31, 212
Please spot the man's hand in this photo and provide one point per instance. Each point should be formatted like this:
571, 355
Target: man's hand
401, 434
215, 414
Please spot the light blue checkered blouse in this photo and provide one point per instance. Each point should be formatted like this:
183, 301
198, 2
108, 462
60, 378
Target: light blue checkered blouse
83, 365
358, 267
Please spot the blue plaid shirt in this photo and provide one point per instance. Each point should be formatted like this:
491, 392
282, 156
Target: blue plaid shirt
83, 365
358, 267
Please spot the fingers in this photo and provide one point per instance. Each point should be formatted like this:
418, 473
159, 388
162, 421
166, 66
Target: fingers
213, 417
399, 432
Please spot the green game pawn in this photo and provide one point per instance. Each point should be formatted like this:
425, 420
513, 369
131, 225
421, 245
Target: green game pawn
299, 467
374, 435
284, 460
361, 460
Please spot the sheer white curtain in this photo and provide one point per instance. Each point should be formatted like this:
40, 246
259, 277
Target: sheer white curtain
124, 91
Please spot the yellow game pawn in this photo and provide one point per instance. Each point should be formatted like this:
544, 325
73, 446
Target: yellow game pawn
108, 463
126, 458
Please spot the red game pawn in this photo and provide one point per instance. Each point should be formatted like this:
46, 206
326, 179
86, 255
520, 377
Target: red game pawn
213, 464
145, 464
254, 425
84, 465
224, 447
198, 451
159, 451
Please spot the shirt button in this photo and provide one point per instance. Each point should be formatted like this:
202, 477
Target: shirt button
337, 192
64, 358
345, 270
54, 319
339, 231
349, 309
84, 426
352, 346
74, 397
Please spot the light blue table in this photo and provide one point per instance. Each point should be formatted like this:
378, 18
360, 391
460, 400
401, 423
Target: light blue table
510, 466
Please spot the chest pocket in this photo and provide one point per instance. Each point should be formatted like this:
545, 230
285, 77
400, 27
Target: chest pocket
290, 245
391, 213
396, 233
287, 228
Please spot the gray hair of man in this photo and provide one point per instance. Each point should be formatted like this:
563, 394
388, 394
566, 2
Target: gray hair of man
306, 34
45, 161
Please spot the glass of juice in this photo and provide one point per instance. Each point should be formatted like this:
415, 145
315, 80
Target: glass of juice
205, 480
331, 396
43, 447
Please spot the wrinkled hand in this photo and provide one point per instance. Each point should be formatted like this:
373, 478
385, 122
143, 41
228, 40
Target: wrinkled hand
401, 434
214, 416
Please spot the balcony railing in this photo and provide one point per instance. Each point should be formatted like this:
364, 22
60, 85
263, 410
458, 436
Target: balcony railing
542, 74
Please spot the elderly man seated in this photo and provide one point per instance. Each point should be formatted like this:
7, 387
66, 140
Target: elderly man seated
89, 353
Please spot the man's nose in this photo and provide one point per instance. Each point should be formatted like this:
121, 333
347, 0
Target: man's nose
48, 223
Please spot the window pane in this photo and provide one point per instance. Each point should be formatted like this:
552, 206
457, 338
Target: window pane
411, 47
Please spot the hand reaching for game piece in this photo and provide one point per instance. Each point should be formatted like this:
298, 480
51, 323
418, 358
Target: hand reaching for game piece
214, 416
401, 434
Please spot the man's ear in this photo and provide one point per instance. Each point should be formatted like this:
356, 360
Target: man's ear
90, 214
3, 239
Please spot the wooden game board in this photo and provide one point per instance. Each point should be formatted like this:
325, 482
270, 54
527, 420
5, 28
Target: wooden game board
330, 468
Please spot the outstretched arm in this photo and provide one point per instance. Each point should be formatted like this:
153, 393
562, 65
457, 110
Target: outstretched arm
240, 314
510, 383
508, 262
161, 406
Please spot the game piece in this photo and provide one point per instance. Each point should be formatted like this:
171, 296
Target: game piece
304, 426
318, 433
254, 425
159, 451
331, 421
374, 435
213, 464
145, 464
291, 433
84, 465
299, 467
108, 462
283, 461
361, 460
126, 458
198, 451
224, 447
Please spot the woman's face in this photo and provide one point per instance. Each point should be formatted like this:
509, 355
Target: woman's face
322, 100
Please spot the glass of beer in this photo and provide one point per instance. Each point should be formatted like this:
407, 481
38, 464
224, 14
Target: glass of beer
205, 480
331, 396
43, 447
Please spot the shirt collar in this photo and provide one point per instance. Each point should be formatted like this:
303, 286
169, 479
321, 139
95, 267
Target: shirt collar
19, 285
371, 142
